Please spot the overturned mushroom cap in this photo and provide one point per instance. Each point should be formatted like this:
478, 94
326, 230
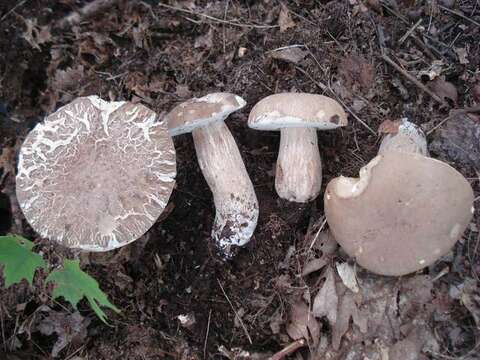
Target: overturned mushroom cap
198, 112
96, 175
286, 110
402, 214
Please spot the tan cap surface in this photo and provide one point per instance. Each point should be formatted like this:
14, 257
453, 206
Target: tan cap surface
286, 110
198, 112
96, 175
404, 213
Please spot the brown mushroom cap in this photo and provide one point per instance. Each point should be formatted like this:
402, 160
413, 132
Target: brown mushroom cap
96, 175
198, 112
404, 213
286, 110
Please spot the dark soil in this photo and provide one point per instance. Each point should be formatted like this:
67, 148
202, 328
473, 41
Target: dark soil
160, 55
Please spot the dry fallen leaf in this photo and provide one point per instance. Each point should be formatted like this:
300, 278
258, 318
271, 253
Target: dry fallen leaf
389, 126
347, 274
409, 348
444, 89
291, 54
462, 55
36, 35
357, 70
314, 265
204, 41
284, 19
7, 162
471, 298
347, 309
68, 327
326, 301
302, 323
476, 92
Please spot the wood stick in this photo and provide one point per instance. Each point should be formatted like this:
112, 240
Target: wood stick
289, 349
236, 314
458, 14
412, 79
233, 23
454, 113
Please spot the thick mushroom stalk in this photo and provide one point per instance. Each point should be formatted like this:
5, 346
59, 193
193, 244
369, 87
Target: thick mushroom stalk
298, 150
222, 165
297, 116
236, 204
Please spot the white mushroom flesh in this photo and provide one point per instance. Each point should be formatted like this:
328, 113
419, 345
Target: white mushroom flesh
299, 166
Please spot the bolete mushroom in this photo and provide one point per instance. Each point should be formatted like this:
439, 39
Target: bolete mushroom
404, 212
95, 175
298, 117
235, 201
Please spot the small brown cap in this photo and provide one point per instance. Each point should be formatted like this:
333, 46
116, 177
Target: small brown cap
402, 214
286, 110
95, 175
198, 112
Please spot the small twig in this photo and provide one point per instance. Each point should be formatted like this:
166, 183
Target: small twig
324, 222
286, 47
389, 9
206, 335
233, 23
454, 113
412, 79
76, 352
288, 350
356, 116
12, 10
409, 32
427, 48
458, 14
236, 314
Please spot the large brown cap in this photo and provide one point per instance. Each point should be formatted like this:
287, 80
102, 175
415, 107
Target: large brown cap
96, 175
285, 110
198, 112
402, 214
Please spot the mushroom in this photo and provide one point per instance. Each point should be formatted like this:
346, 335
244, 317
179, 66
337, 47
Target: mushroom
235, 201
298, 117
95, 175
405, 210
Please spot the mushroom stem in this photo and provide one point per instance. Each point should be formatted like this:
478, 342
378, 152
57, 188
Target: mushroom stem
299, 166
409, 138
235, 200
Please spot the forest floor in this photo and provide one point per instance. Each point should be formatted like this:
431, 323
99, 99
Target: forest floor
178, 300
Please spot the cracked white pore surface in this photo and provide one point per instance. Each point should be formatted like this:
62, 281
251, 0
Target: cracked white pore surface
96, 175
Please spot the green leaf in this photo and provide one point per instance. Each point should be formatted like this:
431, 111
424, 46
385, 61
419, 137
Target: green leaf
73, 284
18, 260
